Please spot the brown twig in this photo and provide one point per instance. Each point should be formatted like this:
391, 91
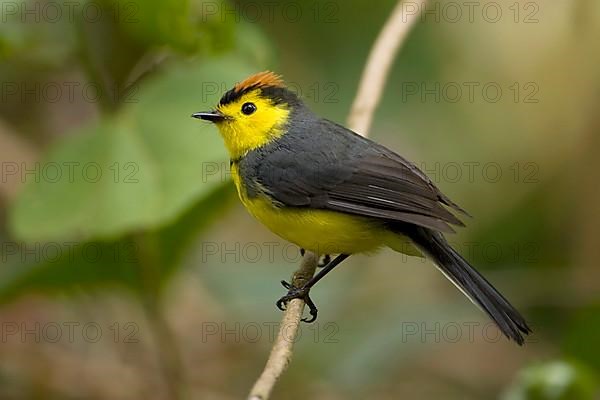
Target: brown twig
281, 353
372, 83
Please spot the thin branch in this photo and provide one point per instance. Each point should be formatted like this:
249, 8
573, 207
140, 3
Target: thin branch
381, 57
281, 353
372, 83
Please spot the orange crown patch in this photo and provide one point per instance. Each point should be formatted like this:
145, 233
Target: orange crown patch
262, 79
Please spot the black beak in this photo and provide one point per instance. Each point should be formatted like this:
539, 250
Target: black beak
212, 116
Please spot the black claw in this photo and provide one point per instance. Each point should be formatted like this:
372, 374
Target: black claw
302, 252
298, 293
286, 285
313, 310
281, 304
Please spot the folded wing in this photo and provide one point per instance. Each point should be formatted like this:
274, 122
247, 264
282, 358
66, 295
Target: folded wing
348, 173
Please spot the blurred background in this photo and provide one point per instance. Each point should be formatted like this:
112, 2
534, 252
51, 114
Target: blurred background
130, 270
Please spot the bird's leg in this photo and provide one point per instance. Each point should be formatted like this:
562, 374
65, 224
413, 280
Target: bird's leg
326, 260
323, 262
303, 292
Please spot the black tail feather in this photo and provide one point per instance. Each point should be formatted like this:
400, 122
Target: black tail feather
470, 282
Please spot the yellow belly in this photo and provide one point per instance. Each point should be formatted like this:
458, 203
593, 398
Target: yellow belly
323, 231
320, 231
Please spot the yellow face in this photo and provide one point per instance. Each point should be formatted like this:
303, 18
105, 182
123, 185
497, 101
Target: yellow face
251, 122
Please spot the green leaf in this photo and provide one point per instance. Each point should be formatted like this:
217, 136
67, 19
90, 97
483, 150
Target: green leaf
138, 170
141, 262
557, 380
58, 266
177, 237
181, 25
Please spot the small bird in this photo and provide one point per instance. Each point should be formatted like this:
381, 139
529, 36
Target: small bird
329, 190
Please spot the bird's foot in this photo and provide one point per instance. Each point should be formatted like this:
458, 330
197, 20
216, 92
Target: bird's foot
298, 293
324, 261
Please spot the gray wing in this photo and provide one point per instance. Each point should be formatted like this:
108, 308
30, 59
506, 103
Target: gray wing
348, 173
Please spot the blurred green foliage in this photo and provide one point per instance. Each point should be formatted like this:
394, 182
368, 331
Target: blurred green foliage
553, 381
142, 156
145, 157
153, 223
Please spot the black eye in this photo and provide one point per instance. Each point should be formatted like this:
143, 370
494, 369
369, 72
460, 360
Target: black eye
248, 108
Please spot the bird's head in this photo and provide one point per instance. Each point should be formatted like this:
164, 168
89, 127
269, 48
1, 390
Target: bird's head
253, 113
